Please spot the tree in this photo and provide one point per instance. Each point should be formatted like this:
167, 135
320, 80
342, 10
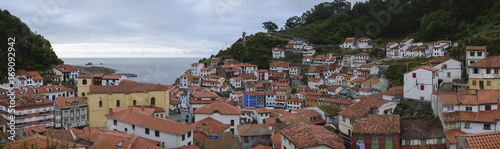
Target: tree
293, 22
270, 26
438, 25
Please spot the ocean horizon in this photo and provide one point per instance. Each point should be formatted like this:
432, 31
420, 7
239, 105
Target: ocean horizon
148, 70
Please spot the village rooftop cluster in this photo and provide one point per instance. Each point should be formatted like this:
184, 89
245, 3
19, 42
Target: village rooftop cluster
326, 101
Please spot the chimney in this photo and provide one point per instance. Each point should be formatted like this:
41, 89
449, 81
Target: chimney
111, 111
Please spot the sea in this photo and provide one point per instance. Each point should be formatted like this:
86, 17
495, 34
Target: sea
148, 70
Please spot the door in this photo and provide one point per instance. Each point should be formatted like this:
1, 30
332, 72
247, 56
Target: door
481, 85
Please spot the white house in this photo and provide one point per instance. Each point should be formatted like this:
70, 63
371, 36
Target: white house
113, 79
348, 43
262, 113
196, 69
262, 74
294, 71
222, 112
170, 134
295, 103
313, 83
279, 66
438, 47
235, 82
307, 60
310, 52
278, 52
270, 98
65, 72
449, 69
184, 81
237, 96
392, 50
25, 79
364, 43
208, 71
403, 46
360, 58
474, 54
470, 113
420, 83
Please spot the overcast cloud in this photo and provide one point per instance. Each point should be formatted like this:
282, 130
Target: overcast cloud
173, 28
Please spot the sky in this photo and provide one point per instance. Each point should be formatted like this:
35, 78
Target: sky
168, 28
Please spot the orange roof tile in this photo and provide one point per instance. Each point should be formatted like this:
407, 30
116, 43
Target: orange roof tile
35, 75
482, 48
423, 67
41, 140
221, 107
210, 126
451, 135
488, 62
112, 76
361, 108
254, 130
378, 124
276, 138
295, 100
304, 135
63, 101
150, 122
65, 68
483, 140
349, 40
395, 91
188, 147
262, 147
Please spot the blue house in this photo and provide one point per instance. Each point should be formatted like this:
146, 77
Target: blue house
251, 98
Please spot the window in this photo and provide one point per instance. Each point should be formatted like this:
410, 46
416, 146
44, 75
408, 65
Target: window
388, 138
414, 75
476, 70
487, 127
120, 144
487, 107
246, 139
448, 75
232, 122
375, 138
422, 87
479, 53
146, 131
439, 141
133, 127
361, 137
468, 108
157, 133
189, 134
125, 129
488, 71
450, 109
471, 54
153, 101
467, 125
114, 122
422, 142
134, 102
474, 82
445, 66
117, 103
422, 98
100, 104
183, 137
84, 81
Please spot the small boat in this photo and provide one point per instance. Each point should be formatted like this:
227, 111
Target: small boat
90, 63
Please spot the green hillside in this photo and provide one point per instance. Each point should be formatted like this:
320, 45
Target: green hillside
32, 51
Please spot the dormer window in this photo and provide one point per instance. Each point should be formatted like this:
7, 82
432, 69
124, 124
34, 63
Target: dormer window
120, 144
38, 100
50, 90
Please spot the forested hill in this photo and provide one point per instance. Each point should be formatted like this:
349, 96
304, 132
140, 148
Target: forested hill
469, 22
32, 50
424, 20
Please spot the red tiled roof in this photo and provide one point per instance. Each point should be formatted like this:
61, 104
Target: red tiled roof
361, 108
127, 87
41, 140
487, 62
349, 40
254, 130
63, 101
65, 68
150, 122
483, 48
363, 54
483, 140
451, 135
27, 100
207, 69
263, 110
423, 67
395, 91
195, 64
343, 101
205, 94
110, 140
304, 135
248, 76
35, 75
276, 138
210, 126
378, 124
221, 107
112, 76
174, 102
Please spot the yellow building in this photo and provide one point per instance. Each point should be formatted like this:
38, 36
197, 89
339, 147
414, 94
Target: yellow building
484, 74
101, 98
311, 101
